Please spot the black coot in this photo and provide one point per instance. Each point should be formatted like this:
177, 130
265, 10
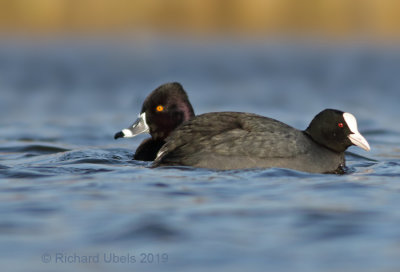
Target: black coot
162, 111
233, 140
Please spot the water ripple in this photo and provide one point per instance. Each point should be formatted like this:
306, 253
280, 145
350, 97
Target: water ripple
36, 149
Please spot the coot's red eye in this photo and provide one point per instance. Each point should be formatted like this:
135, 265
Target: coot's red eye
340, 125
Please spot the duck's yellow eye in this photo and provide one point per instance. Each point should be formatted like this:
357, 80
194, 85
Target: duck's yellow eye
160, 108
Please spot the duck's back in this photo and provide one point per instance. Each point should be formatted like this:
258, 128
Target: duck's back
232, 140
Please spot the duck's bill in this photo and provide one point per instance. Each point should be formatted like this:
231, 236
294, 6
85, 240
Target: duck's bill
140, 126
358, 140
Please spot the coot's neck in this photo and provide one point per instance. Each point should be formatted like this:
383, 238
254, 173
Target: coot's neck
333, 148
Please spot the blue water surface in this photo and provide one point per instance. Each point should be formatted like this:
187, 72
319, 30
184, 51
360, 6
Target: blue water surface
72, 198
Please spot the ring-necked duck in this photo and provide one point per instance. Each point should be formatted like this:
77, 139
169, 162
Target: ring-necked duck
162, 111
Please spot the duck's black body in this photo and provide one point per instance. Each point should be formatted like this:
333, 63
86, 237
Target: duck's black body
148, 149
232, 140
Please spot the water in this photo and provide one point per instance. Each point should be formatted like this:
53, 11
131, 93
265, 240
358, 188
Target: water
70, 194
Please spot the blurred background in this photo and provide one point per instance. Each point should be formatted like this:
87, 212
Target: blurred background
329, 18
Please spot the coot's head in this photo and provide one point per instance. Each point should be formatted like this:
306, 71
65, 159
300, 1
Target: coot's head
336, 130
163, 110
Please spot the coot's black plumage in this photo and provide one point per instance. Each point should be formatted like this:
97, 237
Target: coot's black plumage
233, 140
162, 111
